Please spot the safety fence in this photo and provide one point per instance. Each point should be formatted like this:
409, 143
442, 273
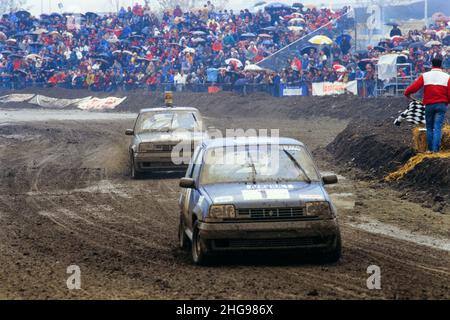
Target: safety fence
357, 87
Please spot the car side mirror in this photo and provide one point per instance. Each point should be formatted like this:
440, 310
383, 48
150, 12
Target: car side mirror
187, 183
332, 179
129, 132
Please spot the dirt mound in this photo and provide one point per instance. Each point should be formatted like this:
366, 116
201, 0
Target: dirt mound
375, 147
431, 175
379, 148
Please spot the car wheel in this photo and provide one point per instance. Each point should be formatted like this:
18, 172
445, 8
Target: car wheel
133, 173
335, 253
183, 239
198, 247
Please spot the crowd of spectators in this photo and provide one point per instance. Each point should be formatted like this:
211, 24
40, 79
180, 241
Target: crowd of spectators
138, 47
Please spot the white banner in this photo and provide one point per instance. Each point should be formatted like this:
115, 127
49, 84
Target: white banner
16, 98
55, 103
101, 104
334, 88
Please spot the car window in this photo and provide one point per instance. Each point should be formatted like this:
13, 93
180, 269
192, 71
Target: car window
197, 165
162, 121
275, 163
192, 163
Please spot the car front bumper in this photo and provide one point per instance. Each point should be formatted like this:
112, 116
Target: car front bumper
227, 236
158, 161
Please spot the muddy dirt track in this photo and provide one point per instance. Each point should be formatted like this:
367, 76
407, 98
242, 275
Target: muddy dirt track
65, 198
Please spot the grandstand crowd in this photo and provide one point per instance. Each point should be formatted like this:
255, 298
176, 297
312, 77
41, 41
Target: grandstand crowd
138, 47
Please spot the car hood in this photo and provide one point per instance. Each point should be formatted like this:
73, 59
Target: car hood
172, 136
265, 194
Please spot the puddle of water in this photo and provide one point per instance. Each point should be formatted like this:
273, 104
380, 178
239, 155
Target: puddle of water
30, 115
374, 226
343, 200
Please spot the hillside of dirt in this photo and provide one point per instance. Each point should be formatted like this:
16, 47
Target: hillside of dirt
253, 105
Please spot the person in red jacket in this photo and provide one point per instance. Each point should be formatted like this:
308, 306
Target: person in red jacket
436, 96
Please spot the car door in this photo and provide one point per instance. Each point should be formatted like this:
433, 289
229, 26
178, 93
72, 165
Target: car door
195, 197
186, 194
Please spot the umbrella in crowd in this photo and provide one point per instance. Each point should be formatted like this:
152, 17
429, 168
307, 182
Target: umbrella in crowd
269, 29
33, 57
234, 61
199, 33
248, 35
198, 40
397, 38
320, 40
22, 15
3, 36
307, 49
339, 68
189, 50
296, 21
20, 72
39, 31
277, 6
432, 43
440, 17
379, 49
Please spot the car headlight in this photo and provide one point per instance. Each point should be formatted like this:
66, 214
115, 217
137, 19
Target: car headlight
319, 209
145, 147
222, 211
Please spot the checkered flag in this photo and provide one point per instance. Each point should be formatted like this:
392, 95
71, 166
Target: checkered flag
415, 113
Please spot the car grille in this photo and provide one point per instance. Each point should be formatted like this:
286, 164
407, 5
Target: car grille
272, 213
270, 243
164, 147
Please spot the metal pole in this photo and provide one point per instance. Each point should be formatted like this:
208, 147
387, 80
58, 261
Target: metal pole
426, 13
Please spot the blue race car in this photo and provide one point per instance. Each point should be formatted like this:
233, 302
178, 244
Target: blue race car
256, 194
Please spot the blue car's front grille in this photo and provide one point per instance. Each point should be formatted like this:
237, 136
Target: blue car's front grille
271, 213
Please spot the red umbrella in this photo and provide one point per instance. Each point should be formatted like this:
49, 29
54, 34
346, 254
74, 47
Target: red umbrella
339, 68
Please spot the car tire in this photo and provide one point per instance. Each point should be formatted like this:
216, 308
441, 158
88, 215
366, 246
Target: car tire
183, 240
199, 247
334, 254
134, 174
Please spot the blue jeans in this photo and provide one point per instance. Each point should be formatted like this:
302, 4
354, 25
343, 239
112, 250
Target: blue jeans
435, 117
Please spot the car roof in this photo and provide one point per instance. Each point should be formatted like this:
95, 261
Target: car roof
168, 109
229, 142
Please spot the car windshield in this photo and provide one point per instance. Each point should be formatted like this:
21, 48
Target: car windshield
164, 121
252, 164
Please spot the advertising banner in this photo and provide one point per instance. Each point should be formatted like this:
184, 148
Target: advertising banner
292, 91
334, 88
